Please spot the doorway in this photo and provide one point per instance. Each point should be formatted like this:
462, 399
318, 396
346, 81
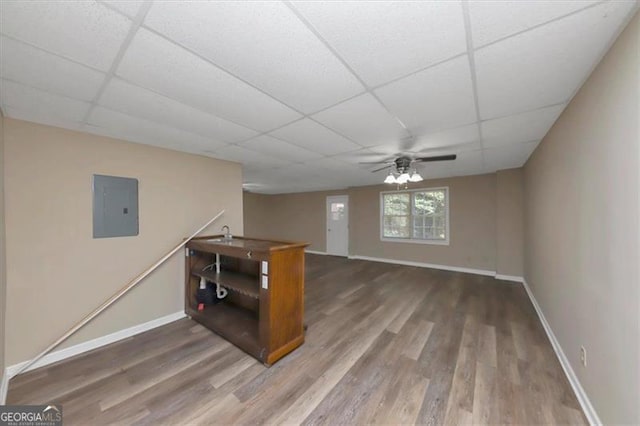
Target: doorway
338, 225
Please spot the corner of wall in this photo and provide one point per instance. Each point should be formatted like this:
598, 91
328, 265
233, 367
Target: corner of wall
581, 395
510, 222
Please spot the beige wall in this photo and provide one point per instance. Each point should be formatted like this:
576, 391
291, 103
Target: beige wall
473, 216
3, 281
297, 217
256, 215
581, 231
509, 222
56, 271
472, 204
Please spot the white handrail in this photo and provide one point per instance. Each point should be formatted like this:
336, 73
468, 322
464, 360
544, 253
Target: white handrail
114, 298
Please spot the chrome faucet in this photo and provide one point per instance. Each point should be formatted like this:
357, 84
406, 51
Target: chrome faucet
227, 235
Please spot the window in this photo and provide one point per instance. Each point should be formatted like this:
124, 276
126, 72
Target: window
418, 216
337, 211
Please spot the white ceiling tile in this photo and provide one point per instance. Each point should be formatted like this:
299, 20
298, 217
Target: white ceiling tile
351, 176
525, 127
337, 182
280, 149
35, 103
337, 173
435, 170
147, 132
274, 179
329, 164
40, 117
164, 67
363, 120
251, 180
130, 99
376, 154
298, 170
470, 171
470, 162
493, 20
348, 177
291, 188
36, 68
385, 40
114, 133
128, 7
362, 177
508, 157
544, 66
278, 54
251, 176
468, 156
370, 179
452, 137
248, 157
85, 31
301, 177
315, 137
277, 178
454, 149
440, 97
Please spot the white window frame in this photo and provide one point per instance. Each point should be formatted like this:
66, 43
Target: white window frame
447, 199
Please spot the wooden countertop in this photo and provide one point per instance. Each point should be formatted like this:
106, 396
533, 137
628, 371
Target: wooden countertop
243, 243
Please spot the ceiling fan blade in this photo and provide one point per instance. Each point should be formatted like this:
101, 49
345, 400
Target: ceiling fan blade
382, 168
437, 158
375, 162
449, 148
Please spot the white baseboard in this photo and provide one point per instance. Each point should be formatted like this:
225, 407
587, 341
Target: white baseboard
427, 265
4, 387
93, 344
316, 252
581, 395
513, 278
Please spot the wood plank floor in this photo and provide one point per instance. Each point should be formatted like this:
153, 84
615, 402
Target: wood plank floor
386, 344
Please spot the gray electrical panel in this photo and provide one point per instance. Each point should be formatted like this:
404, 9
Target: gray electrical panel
115, 206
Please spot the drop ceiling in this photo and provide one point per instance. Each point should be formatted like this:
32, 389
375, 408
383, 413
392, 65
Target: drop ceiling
301, 93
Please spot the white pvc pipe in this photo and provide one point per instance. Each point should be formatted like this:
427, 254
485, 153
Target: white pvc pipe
221, 292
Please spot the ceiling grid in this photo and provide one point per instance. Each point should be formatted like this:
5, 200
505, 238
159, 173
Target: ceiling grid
472, 67
292, 87
135, 25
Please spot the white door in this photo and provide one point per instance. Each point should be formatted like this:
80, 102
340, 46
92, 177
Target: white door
338, 225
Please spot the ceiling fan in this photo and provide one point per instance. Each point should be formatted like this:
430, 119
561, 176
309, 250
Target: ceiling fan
403, 163
403, 166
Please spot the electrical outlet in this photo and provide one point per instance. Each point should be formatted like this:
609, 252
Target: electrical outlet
583, 356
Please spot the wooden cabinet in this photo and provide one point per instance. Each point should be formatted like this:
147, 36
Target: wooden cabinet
263, 311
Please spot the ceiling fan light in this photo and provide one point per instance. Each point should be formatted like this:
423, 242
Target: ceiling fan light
390, 178
415, 177
403, 178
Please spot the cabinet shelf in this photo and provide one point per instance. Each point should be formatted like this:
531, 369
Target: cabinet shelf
242, 283
239, 326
